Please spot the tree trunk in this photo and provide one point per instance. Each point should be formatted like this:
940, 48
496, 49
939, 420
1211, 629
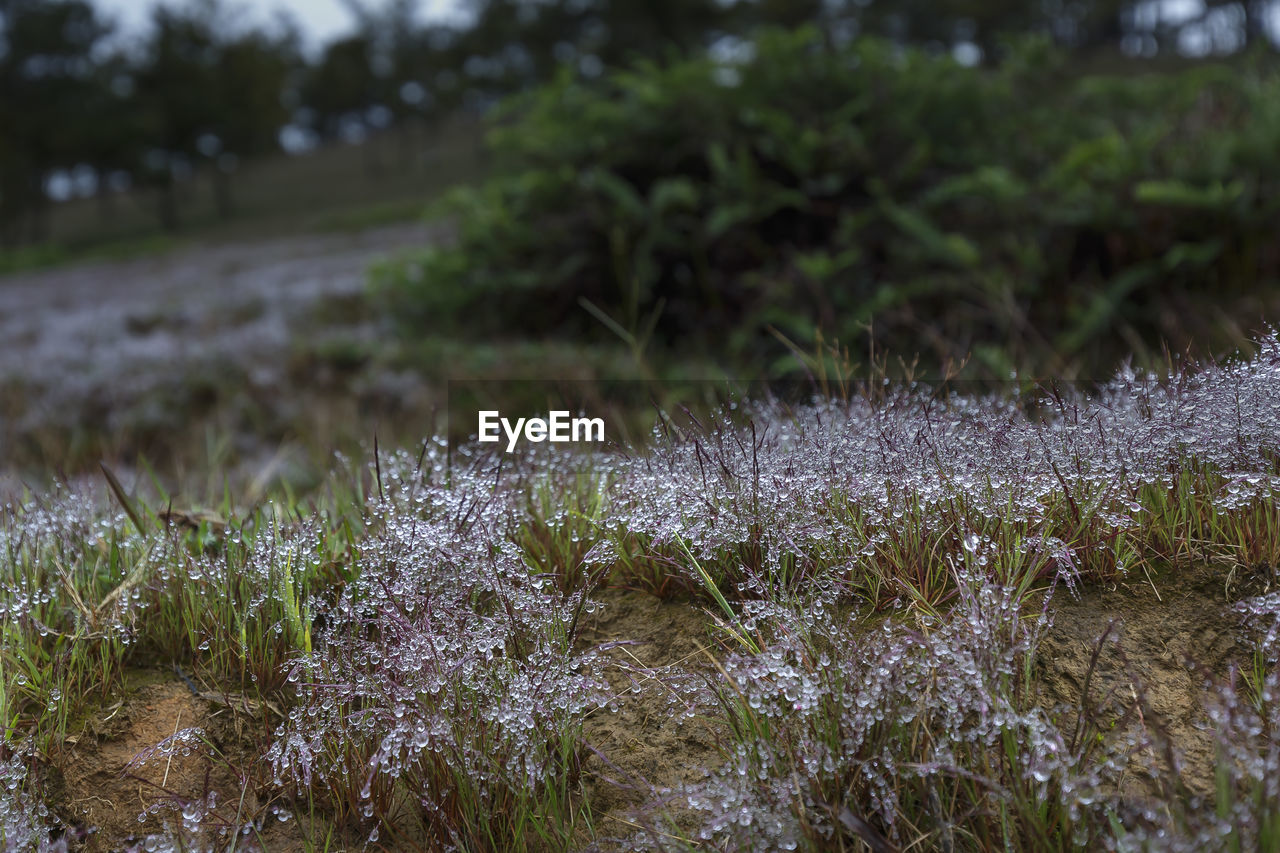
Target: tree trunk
105, 198
222, 193
1255, 23
404, 138
168, 204
38, 210
372, 156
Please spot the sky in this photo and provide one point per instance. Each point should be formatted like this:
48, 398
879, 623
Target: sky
321, 20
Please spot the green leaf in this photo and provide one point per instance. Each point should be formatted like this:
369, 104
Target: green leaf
1195, 255
725, 217
626, 201
1173, 193
673, 193
994, 184
824, 265
936, 245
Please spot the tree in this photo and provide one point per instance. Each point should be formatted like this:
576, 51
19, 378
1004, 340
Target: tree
209, 97
112, 124
46, 74
341, 86
177, 87
251, 73
403, 58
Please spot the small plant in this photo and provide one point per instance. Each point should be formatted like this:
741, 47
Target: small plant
847, 733
446, 675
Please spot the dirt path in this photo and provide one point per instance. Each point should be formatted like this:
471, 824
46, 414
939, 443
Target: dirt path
114, 346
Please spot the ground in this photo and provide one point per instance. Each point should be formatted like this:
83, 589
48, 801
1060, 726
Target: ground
117, 358
646, 745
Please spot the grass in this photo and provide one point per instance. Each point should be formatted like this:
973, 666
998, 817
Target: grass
882, 569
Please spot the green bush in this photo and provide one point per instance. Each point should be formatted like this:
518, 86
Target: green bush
1030, 216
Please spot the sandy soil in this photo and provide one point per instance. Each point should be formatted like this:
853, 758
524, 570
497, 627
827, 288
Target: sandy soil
647, 745
124, 775
1172, 634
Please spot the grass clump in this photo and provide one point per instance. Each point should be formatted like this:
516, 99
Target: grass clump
71, 582
848, 734
445, 697
418, 647
887, 497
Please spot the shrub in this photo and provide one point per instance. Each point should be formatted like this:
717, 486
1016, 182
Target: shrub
817, 184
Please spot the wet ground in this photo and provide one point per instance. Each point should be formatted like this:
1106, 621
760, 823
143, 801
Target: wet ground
109, 351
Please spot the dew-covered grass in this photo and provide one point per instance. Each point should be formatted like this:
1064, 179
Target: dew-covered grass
879, 573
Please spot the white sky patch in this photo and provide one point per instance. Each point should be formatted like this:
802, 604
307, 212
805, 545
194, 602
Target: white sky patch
324, 20
321, 21
1175, 12
1203, 32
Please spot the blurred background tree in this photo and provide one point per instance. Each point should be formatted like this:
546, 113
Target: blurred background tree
48, 72
200, 91
665, 166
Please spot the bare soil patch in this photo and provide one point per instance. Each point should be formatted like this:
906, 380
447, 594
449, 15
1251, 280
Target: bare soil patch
647, 744
1173, 634
113, 778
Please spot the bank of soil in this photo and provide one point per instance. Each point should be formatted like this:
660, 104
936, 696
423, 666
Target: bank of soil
113, 787
1168, 639
1170, 636
648, 744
